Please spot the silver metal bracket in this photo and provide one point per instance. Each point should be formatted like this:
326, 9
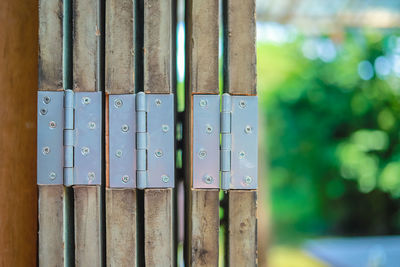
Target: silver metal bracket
239, 142
206, 129
155, 143
69, 138
122, 141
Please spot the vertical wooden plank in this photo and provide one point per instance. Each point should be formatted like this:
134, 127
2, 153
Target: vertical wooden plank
240, 79
87, 31
121, 204
202, 205
157, 63
121, 227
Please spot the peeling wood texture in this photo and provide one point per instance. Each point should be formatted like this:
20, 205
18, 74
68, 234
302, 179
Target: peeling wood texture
50, 45
88, 243
86, 44
159, 230
242, 223
120, 46
202, 46
157, 54
203, 228
240, 75
121, 227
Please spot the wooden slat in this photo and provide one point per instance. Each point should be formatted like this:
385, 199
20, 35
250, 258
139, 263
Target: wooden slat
121, 227
159, 227
240, 75
120, 47
240, 79
202, 205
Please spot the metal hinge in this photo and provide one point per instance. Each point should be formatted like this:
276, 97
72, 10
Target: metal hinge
149, 133
69, 142
239, 142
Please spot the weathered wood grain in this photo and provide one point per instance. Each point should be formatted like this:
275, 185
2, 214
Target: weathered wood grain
86, 45
121, 227
50, 45
242, 228
157, 43
202, 46
159, 229
240, 75
120, 47
88, 239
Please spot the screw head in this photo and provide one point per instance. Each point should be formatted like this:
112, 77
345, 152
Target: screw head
208, 179
242, 155
52, 124
242, 104
165, 128
209, 128
52, 175
202, 154
248, 180
86, 100
203, 103
46, 99
125, 179
165, 178
91, 176
118, 103
43, 111
158, 153
46, 150
118, 153
85, 150
92, 125
158, 101
248, 129
125, 128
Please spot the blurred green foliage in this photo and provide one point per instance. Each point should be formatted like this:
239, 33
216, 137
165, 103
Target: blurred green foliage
332, 137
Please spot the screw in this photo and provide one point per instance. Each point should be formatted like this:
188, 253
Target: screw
208, 179
165, 178
165, 128
158, 101
46, 99
125, 128
158, 153
242, 154
203, 103
52, 175
209, 128
242, 104
118, 103
91, 176
52, 124
43, 111
46, 150
248, 180
125, 178
92, 125
118, 153
248, 129
85, 150
202, 154
85, 100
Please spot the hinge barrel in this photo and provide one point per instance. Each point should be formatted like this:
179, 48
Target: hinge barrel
141, 146
226, 141
68, 137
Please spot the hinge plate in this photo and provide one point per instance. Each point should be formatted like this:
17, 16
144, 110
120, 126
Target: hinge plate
50, 124
206, 130
244, 153
122, 141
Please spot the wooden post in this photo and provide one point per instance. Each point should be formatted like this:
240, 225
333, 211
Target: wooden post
87, 31
240, 79
157, 63
121, 206
202, 205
